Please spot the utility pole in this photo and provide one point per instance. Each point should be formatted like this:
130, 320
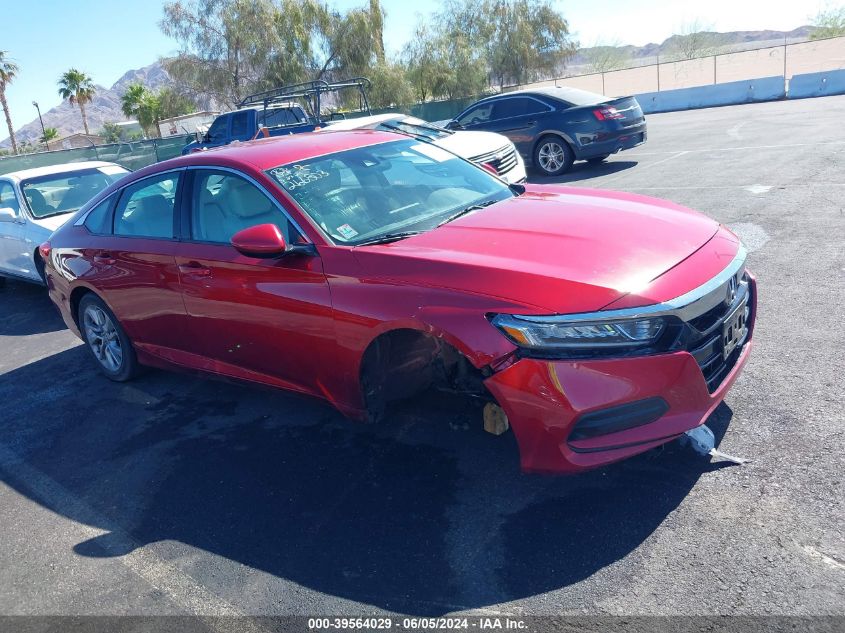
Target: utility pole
43, 131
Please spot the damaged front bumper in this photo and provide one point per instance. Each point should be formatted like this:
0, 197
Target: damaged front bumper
573, 415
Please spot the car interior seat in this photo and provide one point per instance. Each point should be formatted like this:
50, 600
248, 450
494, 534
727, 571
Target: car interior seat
38, 203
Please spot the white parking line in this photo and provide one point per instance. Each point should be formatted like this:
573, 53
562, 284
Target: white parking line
178, 586
696, 187
634, 154
642, 167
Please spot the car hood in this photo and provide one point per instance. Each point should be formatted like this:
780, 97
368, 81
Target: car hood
472, 144
556, 249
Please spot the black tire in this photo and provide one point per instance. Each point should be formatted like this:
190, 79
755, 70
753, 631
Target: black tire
553, 156
105, 339
597, 160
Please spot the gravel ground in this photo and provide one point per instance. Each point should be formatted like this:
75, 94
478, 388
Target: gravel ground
175, 494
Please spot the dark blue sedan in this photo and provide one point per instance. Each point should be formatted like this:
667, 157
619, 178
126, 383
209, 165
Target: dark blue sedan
553, 127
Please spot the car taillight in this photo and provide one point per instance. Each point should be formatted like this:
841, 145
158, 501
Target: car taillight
607, 113
44, 249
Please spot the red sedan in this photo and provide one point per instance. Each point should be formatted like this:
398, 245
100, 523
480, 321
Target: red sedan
363, 267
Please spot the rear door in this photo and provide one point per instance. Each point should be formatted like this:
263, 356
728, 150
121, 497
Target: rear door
135, 266
249, 317
520, 119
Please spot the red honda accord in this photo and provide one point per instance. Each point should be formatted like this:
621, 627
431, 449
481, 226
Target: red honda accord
362, 267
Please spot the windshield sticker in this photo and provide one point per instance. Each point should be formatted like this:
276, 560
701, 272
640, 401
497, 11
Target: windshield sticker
346, 231
433, 152
298, 176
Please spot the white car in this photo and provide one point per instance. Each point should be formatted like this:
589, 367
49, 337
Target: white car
492, 151
35, 202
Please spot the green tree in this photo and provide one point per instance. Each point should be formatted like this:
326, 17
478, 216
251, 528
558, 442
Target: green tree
50, 134
528, 39
829, 23
390, 86
8, 71
77, 88
110, 132
173, 103
131, 99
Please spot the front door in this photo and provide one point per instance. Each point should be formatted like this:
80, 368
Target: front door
249, 317
14, 257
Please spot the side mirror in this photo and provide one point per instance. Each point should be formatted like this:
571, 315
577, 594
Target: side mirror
454, 125
262, 240
8, 214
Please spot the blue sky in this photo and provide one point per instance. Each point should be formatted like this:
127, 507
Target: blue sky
105, 38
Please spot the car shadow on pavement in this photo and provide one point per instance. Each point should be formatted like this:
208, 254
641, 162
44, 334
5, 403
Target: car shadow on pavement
425, 514
584, 171
27, 309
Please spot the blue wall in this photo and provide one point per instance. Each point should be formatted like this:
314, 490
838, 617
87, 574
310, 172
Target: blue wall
764, 89
831, 82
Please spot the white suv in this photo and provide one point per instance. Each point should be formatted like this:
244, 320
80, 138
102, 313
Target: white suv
35, 202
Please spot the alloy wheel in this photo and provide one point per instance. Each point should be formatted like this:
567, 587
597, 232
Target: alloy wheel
103, 338
551, 156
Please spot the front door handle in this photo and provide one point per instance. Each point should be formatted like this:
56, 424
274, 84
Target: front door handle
195, 269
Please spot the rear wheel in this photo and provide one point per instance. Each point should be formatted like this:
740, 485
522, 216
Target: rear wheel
106, 340
595, 160
553, 156
39, 267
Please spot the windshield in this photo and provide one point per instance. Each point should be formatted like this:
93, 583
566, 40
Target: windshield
56, 194
414, 127
277, 117
406, 187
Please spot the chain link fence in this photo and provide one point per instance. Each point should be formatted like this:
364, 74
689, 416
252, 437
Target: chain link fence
132, 155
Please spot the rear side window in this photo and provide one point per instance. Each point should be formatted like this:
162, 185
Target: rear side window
145, 208
517, 106
8, 199
99, 219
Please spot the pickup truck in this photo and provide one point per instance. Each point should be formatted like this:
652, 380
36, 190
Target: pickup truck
287, 110
245, 124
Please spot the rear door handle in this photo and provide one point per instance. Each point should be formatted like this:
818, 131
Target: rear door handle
195, 269
104, 258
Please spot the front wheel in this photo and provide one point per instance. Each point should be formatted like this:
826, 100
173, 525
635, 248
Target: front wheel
106, 340
553, 156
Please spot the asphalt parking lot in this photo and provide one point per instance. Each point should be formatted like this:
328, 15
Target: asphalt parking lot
175, 494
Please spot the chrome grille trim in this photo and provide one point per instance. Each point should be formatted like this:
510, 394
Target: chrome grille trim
503, 159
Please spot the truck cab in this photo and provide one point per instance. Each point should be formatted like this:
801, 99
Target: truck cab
244, 125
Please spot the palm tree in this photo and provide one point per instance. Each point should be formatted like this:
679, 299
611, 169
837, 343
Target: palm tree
77, 88
8, 71
50, 134
132, 98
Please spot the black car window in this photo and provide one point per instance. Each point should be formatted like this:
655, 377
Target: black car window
99, 219
239, 125
479, 114
517, 106
145, 208
224, 203
217, 131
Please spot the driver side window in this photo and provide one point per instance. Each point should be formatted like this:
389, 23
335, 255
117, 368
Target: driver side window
478, 114
224, 203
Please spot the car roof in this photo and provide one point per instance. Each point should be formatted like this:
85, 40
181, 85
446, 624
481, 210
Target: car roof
64, 168
564, 93
267, 153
